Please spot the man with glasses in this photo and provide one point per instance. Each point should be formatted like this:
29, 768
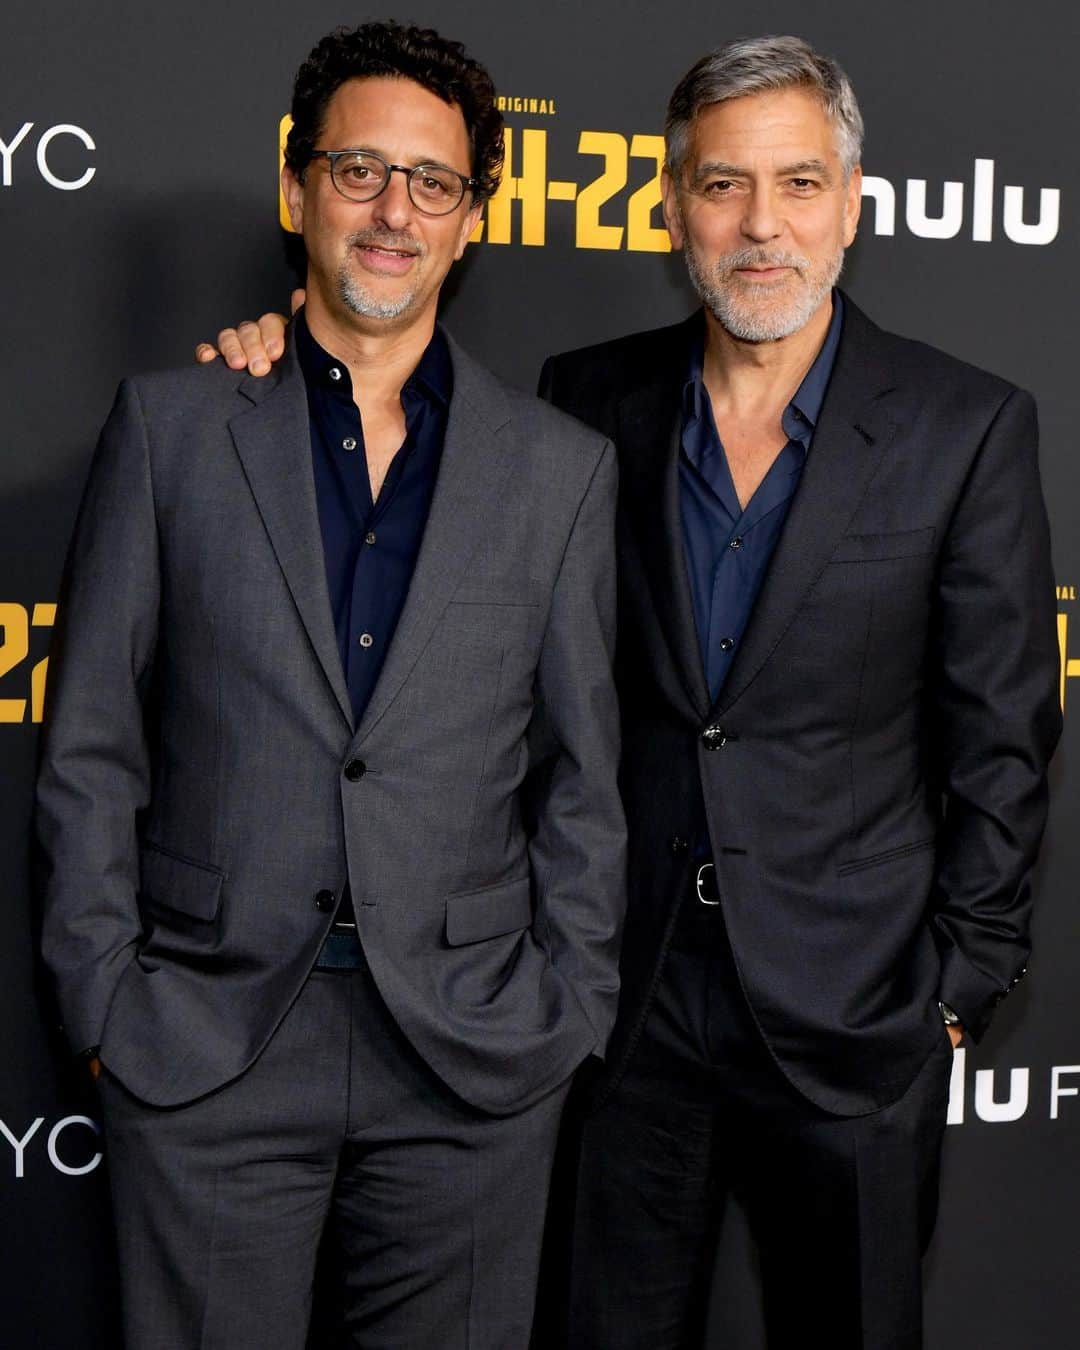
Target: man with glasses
328, 788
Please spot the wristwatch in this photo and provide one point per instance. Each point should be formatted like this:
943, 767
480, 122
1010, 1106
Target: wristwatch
950, 1018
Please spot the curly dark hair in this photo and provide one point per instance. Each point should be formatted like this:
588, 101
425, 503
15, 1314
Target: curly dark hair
396, 50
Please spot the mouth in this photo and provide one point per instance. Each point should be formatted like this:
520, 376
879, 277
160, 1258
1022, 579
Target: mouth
762, 273
384, 260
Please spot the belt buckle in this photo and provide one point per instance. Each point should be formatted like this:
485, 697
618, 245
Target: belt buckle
700, 878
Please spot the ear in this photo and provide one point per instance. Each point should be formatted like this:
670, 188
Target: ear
852, 205
468, 224
293, 191
672, 213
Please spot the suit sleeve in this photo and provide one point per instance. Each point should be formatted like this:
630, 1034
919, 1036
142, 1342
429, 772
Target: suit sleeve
94, 774
998, 715
578, 834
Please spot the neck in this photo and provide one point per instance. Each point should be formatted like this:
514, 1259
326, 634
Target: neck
741, 374
380, 356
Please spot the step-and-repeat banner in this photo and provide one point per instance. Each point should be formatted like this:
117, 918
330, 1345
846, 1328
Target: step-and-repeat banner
139, 212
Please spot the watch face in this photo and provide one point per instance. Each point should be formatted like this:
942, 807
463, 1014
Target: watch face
951, 1018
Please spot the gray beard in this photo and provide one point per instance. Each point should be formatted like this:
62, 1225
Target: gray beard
752, 313
360, 300
357, 297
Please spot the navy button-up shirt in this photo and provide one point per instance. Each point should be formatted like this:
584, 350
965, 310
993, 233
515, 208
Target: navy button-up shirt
370, 547
727, 548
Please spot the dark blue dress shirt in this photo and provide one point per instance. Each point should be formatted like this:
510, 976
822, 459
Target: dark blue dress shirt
370, 547
727, 548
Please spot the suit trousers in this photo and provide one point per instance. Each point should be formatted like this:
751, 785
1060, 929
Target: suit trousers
436, 1210
841, 1208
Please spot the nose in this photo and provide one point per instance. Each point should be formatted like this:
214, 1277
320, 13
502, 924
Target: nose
393, 206
762, 219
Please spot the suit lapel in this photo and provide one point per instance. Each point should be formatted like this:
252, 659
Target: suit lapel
273, 441
470, 485
851, 436
649, 439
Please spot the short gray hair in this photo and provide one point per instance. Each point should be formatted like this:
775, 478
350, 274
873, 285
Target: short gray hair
758, 66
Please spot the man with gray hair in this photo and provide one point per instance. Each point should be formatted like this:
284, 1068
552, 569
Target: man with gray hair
837, 669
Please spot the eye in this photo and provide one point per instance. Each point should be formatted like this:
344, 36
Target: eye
435, 184
803, 184
718, 187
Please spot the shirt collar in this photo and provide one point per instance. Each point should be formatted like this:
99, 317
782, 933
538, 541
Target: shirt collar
810, 395
432, 379
801, 414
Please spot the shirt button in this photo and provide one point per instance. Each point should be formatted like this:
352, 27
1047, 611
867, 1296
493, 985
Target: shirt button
726, 644
365, 639
369, 538
334, 373
349, 443
735, 543
324, 901
355, 770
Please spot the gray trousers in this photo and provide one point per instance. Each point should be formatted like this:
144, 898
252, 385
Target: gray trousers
437, 1210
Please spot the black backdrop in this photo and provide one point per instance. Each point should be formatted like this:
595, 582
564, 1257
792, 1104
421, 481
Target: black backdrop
138, 212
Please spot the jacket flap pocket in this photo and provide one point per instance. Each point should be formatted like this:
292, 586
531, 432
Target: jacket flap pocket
488, 913
179, 883
882, 547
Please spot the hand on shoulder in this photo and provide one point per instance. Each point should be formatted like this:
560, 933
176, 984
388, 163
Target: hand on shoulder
256, 344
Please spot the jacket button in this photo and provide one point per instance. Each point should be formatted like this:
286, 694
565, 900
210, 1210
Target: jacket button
355, 770
678, 845
712, 738
325, 901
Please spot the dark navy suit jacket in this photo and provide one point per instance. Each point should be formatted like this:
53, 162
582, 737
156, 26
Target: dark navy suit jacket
874, 768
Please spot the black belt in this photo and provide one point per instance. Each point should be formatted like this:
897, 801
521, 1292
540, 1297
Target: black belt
706, 890
700, 927
341, 949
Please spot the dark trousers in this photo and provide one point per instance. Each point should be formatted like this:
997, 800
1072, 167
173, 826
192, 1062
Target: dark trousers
436, 1210
841, 1208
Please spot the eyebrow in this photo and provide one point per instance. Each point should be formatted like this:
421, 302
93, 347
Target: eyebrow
431, 160
805, 166
722, 169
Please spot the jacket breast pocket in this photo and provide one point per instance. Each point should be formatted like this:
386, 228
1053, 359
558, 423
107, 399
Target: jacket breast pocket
185, 887
506, 594
866, 548
490, 912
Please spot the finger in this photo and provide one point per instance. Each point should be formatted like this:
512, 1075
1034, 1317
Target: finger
272, 332
205, 352
228, 342
256, 357
297, 298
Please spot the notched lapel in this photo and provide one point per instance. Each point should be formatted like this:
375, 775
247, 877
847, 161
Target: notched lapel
472, 479
650, 423
273, 440
852, 434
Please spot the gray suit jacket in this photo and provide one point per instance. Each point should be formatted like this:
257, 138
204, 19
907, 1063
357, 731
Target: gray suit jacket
193, 797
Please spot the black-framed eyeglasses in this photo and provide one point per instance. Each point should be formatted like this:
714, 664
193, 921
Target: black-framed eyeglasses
361, 175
